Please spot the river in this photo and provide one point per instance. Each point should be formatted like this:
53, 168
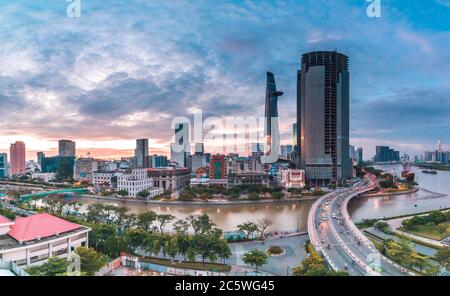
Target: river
293, 217
395, 205
287, 216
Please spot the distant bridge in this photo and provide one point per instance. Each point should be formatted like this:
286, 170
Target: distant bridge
28, 197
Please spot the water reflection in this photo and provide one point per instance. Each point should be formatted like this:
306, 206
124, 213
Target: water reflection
395, 205
286, 217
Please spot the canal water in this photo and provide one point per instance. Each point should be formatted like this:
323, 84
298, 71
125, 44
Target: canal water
293, 217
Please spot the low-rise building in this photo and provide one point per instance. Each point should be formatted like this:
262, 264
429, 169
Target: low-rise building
84, 167
136, 182
291, 178
170, 178
45, 177
248, 178
33, 240
103, 178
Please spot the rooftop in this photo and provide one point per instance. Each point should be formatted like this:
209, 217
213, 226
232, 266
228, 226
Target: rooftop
39, 226
4, 220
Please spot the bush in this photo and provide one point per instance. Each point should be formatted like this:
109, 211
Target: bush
275, 250
253, 196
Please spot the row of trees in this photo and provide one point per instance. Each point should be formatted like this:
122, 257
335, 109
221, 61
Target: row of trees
404, 253
208, 192
114, 229
435, 218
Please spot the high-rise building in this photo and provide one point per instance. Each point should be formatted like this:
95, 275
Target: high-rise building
323, 117
218, 168
66, 148
141, 153
294, 136
359, 155
180, 149
4, 165
40, 160
285, 150
63, 166
351, 152
271, 131
18, 161
386, 154
158, 161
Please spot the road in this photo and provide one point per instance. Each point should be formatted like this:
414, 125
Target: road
335, 236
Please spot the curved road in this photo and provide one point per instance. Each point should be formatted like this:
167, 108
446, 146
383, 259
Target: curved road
344, 247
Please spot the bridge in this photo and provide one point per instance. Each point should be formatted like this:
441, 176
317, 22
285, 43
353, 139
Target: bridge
340, 242
28, 197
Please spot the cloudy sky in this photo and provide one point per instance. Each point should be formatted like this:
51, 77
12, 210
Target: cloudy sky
125, 69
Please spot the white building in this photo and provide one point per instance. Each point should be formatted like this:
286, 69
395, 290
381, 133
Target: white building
136, 182
33, 240
291, 178
104, 178
45, 177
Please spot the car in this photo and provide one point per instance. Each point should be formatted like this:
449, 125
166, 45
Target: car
333, 215
324, 219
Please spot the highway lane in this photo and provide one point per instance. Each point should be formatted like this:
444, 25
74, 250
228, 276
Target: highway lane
333, 233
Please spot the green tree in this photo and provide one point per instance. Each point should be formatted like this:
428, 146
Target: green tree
255, 258
443, 257
122, 193
201, 224
144, 194
249, 228
146, 220
91, 260
53, 267
163, 220
171, 246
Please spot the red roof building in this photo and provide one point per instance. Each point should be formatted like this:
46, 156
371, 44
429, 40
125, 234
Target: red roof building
39, 226
4, 220
34, 239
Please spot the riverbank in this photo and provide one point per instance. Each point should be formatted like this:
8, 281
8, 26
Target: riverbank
413, 190
203, 202
438, 167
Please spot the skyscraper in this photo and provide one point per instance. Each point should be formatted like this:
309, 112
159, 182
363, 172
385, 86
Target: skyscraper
18, 161
4, 165
271, 132
141, 153
359, 155
180, 149
323, 117
40, 160
66, 148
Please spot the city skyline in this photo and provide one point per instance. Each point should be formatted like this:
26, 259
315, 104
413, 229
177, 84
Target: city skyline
105, 79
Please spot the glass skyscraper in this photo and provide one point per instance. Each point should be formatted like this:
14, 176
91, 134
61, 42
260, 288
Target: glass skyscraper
4, 165
323, 117
141, 153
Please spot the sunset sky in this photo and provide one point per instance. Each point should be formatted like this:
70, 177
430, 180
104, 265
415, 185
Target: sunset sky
125, 69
